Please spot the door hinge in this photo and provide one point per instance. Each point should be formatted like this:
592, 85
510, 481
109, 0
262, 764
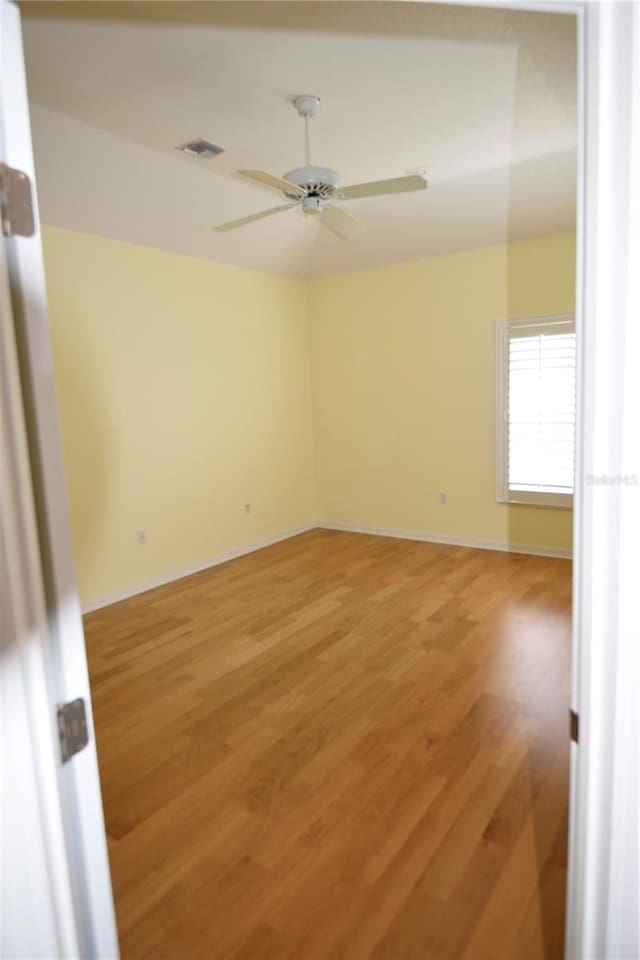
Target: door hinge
574, 724
16, 203
72, 728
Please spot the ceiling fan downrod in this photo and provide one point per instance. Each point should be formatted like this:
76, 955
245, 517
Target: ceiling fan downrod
307, 107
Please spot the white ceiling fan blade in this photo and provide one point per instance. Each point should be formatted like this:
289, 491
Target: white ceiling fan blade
232, 224
341, 223
376, 188
278, 183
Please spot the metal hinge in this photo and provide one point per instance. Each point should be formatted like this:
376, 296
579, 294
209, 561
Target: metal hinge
16, 204
574, 724
72, 727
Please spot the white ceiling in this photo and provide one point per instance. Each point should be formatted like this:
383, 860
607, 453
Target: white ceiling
483, 100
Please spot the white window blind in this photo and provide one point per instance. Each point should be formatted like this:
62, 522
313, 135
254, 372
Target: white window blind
537, 410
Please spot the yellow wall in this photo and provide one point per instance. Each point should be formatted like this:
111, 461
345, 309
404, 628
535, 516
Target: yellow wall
188, 388
184, 391
403, 374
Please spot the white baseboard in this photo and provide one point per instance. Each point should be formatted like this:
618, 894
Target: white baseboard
450, 541
195, 568
323, 525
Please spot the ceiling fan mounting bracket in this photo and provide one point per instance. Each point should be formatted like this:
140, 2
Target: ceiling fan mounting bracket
307, 105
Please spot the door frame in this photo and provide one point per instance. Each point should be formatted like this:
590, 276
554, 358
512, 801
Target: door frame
603, 861
80, 887
604, 845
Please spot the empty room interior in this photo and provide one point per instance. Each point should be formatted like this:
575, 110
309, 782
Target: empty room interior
311, 289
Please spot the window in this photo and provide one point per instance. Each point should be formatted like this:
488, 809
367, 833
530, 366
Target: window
535, 417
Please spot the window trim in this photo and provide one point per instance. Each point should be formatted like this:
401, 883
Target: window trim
503, 333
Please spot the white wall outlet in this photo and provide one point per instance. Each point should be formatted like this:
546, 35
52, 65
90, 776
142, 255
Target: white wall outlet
247, 509
443, 498
141, 537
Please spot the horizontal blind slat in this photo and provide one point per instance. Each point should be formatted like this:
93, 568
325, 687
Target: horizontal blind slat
541, 412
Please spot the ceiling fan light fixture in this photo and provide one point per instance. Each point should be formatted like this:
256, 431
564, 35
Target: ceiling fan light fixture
312, 205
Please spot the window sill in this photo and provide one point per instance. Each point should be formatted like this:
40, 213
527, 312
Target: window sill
530, 498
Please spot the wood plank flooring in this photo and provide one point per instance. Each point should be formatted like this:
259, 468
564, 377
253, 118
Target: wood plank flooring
341, 747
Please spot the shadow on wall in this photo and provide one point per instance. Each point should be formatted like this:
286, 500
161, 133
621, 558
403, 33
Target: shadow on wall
527, 296
89, 473
552, 525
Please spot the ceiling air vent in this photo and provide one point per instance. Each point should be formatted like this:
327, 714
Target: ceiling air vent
201, 148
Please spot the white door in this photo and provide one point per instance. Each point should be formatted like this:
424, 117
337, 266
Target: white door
56, 890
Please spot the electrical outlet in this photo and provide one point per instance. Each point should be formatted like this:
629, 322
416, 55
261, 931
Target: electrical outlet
247, 509
443, 498
141, 537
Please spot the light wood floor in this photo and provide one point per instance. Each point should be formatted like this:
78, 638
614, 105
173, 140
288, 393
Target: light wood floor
340, 747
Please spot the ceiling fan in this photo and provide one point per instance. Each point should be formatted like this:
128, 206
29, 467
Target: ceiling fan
315, 189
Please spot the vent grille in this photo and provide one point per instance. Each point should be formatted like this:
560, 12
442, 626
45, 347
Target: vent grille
201, 148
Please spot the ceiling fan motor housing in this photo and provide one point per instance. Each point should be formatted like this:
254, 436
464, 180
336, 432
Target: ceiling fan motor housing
320, 182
